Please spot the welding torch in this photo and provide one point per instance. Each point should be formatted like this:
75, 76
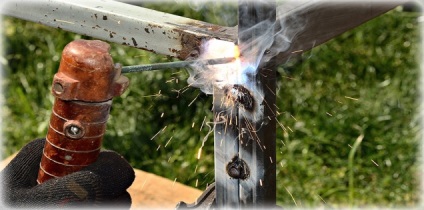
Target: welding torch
84, 86
174, 65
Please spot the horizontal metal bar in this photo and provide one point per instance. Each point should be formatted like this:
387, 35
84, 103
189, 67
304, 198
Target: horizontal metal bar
122, 23
305, 24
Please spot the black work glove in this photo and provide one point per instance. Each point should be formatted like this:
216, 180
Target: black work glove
101, 184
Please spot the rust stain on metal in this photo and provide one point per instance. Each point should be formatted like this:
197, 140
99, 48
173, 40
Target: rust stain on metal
134, 42
190, 42
190, 45
209, 27
172, 50
146, 49
154, 26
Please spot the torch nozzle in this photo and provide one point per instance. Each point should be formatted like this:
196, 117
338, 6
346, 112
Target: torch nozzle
174, 65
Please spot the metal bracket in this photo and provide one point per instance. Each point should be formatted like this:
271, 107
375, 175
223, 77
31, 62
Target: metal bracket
245, 147
205, 201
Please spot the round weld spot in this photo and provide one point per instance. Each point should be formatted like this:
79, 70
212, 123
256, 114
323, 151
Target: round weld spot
238, 169
240, 96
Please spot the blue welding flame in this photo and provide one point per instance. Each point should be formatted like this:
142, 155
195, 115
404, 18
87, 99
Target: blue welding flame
256, 50
248, 72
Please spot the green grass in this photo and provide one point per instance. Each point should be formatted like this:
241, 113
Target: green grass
361, 85
378, 68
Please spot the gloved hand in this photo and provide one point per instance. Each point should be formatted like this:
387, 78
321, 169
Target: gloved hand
102, 183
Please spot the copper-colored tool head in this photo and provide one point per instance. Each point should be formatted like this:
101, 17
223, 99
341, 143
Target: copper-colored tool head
87, 67
86, 82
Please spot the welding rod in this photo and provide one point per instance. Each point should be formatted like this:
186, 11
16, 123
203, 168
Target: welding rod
174, 65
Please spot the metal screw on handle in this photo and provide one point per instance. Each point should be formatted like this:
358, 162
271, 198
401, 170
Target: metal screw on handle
73, 129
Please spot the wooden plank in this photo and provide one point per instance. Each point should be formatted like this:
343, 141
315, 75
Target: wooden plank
6, 161
151, 191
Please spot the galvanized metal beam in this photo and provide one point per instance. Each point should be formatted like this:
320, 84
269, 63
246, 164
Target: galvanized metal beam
313, 23
122, 23
245, 170
308, 24
258, 136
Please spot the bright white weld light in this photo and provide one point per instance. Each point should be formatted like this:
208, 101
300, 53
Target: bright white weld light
224, 76
210, 76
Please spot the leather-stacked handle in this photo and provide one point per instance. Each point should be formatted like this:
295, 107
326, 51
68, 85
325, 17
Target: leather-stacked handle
83, 88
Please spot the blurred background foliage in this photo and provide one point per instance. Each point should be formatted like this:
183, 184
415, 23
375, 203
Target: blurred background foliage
363, 83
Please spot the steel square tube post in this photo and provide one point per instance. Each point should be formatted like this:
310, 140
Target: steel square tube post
241, 141
257, 148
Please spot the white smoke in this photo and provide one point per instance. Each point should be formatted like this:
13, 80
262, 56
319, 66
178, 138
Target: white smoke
271, 38
208, 77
